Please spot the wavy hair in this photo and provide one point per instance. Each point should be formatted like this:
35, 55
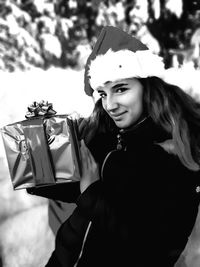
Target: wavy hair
170, 107
177, 113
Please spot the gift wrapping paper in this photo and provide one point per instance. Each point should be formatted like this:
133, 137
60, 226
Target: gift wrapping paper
42, 151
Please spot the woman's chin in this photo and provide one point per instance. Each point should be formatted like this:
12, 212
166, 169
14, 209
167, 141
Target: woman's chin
121, 124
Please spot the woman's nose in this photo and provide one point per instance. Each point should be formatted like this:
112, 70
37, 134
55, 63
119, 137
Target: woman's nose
111, 103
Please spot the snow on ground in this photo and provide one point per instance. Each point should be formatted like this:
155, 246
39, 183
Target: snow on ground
64, 88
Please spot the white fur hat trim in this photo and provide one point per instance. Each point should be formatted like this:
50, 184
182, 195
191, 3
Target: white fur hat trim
124, 64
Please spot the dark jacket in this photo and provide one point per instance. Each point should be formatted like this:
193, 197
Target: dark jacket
142, 210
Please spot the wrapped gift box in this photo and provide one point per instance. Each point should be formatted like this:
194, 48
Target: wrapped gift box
42, 150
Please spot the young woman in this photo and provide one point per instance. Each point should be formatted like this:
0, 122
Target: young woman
139, 189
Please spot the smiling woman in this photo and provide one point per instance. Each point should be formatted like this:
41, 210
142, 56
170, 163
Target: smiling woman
138, 198
123, 101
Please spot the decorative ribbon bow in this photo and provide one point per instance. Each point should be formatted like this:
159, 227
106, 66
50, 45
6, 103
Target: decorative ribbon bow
43, 108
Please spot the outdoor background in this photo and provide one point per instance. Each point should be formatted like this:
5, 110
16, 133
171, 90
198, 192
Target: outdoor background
43, 49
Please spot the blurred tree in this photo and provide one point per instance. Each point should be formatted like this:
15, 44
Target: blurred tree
171, 23
28, 27
173, 31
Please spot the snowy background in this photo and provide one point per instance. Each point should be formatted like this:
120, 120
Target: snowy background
43, 48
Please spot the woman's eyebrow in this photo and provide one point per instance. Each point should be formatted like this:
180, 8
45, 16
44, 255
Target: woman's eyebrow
118, 85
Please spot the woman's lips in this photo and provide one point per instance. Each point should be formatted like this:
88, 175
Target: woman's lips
117, 116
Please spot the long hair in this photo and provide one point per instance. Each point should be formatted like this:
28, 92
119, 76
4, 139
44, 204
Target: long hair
175, 111
98, 122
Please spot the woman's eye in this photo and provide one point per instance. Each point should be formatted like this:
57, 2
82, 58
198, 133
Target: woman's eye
102, 95
121, 90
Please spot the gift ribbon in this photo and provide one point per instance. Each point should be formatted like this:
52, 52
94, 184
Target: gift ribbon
43, 108
38, 151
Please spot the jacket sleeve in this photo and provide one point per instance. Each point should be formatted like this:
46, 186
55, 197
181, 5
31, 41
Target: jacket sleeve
70, 235
66, 192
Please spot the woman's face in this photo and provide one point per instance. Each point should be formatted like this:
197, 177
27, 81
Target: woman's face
123, 101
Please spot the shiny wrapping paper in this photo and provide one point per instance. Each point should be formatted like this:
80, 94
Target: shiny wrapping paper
42, 151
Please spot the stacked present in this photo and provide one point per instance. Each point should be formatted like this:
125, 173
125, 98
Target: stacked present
43, 149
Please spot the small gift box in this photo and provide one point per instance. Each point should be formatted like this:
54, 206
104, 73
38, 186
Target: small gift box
42, 150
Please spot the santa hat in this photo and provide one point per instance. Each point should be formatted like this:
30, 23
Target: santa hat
118, 55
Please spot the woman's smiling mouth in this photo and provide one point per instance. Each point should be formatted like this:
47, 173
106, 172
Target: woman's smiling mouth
117, 116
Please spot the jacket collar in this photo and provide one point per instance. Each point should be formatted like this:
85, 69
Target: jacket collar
145, 131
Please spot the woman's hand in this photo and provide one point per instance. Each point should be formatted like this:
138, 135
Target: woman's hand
90, 170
